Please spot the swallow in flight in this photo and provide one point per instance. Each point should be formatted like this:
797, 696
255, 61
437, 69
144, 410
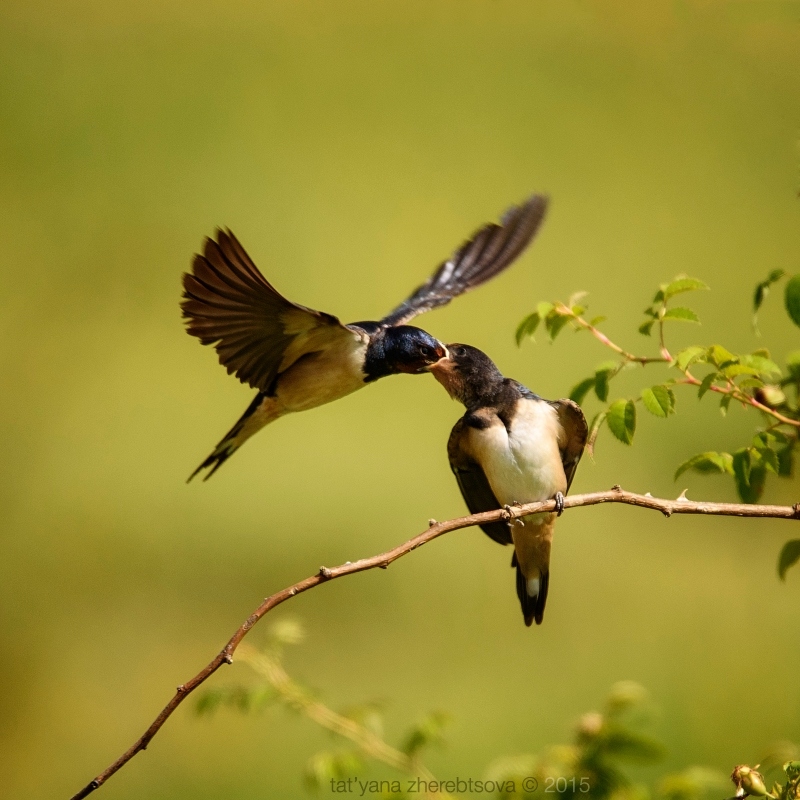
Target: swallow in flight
512, 447
298, 358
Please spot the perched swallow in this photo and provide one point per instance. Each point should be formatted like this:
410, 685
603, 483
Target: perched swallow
512, 447
299, 358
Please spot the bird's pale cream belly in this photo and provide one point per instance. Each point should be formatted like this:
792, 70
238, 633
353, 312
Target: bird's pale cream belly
522, 465
319, 378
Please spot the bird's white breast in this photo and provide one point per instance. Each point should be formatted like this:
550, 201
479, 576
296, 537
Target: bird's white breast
523, 463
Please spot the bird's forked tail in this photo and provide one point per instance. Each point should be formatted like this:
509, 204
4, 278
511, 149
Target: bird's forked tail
260, 412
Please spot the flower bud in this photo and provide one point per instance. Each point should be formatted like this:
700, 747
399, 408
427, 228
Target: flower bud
749, 781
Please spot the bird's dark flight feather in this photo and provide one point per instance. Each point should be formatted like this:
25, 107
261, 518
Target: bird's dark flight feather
493, 248
576, 431
474, 486
228, 303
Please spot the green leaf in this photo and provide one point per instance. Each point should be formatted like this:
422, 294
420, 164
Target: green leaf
681, 313
749, 476
792, 299
790, 555
718, 355
646, 327
594, 429
544, 308
603, 374
554, 322
706, 463
597, 320
724, 403
621, 420
324, 768
769, 458
786, 461
659, 400
683, 284
690, 355
580, 391
762, 364
430, 730
793, 364
734, 370
527, 327
761, 292
706, 384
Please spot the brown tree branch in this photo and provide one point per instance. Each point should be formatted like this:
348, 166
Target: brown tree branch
435, 529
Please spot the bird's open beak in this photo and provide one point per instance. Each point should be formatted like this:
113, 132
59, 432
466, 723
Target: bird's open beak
443, 354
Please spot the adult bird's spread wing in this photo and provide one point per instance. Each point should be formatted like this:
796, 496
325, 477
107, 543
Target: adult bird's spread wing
475, 489
493, 248
575, 433
256, 332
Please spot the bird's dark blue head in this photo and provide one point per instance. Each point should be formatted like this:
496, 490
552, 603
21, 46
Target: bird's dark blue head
402, 348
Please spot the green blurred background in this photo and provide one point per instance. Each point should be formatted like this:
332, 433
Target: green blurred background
351, 146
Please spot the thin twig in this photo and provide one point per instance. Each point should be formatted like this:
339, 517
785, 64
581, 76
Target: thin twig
436, 529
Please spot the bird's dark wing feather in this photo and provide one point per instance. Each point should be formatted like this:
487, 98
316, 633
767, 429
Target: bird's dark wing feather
575, 433
257, 333
475, 489
493, 248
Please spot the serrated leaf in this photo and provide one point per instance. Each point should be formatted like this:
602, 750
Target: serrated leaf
718, 355
646, 327
659, 401
688, 356
621, 420
724, 403
769, 458
527, 327
683, 285
594, 429
580, 391
734, 370
658, 297
681, 313
762, 364
749, 477
792, 299
706, 463
705, 384
790, 555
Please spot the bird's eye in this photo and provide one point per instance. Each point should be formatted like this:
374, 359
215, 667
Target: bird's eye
426, 351
460, 351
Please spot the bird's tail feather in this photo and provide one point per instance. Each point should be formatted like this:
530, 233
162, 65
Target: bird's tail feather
532, 593
259, 413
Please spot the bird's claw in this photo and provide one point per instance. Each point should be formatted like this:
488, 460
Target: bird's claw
510, 519
559, 498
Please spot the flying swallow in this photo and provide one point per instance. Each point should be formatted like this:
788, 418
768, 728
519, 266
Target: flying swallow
512, 447
298, 358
